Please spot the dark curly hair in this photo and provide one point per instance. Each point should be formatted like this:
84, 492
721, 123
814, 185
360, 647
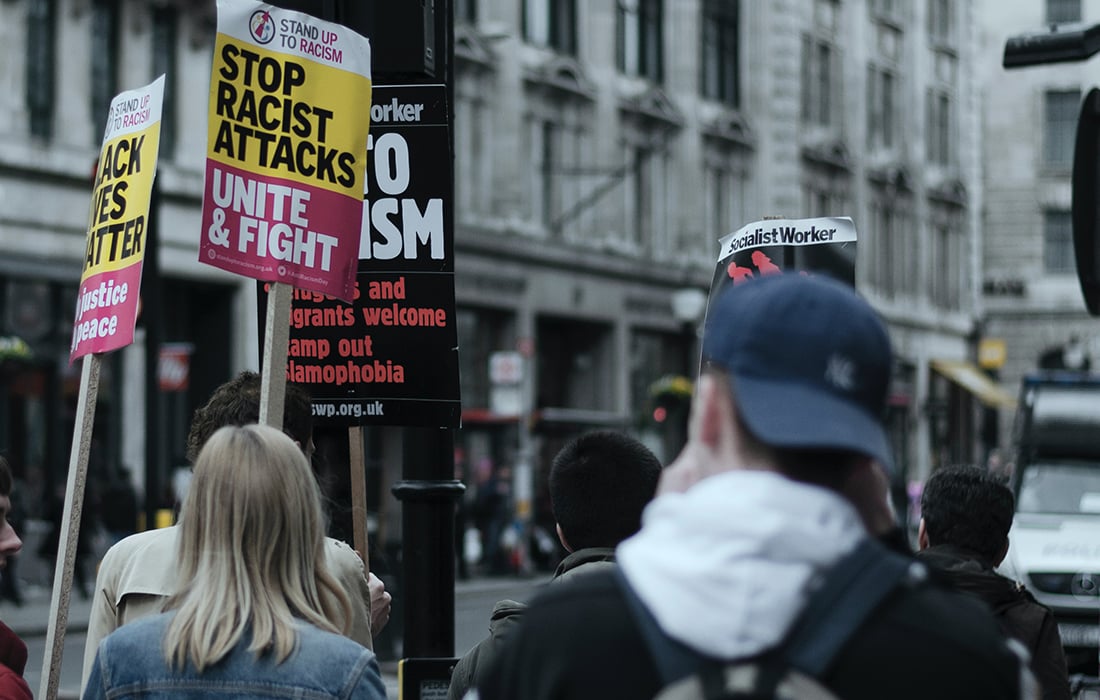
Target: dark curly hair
969, 508
237, 402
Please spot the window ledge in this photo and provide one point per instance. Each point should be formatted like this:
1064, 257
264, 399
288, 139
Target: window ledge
562, 75
473, 48
727, 124
654, 105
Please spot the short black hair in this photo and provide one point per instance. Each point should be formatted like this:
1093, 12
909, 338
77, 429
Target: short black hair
599, 484
237, 402
969, 508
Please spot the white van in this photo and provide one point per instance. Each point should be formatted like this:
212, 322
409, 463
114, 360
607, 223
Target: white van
1054, 545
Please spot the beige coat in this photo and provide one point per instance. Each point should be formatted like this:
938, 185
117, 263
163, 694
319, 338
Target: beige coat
138, 574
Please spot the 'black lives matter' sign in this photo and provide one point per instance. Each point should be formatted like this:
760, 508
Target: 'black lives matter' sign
391, 356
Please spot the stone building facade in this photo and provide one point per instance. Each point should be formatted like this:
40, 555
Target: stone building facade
1031, 298
602, 149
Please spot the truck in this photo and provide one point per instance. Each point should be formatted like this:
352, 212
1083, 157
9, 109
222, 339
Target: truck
1054, 544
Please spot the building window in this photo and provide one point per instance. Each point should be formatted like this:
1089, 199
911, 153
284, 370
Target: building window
1058, 242
1060, 109
893, 244
725, 197
558, 146
41, 65
574, 364
551, 23
466, 11
481, 332
473, 159
938, 133
941, 22
721, 64
1061, 11
817, 80
640, 48
825, 189
104, 63
888, 9
948, 257
165, 31
646, 219
881, 107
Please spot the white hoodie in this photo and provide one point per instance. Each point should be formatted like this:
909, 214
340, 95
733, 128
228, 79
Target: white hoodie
725, 566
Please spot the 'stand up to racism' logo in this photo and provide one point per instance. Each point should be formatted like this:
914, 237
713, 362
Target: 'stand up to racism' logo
262, 26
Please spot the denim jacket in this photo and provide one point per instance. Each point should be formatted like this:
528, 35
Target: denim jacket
130, 663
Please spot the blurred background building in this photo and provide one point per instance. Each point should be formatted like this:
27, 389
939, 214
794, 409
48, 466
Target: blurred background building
1031, 297
602, 149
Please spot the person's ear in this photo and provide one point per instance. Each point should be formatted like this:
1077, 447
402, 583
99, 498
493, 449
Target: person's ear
561, 538
709, 418
922, 536
1002, 554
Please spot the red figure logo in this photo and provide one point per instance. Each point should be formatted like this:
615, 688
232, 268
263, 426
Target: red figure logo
764, 263
739, 274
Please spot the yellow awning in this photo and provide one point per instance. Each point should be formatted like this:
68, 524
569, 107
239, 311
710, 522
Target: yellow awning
970, 377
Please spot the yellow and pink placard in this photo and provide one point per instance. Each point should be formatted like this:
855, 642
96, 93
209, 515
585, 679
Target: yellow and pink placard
286, 148
107, 303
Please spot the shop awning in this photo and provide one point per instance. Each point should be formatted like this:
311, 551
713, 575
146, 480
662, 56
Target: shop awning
970, 377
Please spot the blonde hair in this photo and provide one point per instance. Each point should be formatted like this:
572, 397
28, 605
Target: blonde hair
251, 551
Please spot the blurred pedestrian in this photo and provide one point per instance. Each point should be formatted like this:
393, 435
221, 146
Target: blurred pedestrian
779, 484
119, 506
492, 511
258, 614
10, 586
963, 533
13, 652
47, 548
139, 573
599, 484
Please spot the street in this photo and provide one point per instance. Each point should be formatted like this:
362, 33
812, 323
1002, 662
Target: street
474, 601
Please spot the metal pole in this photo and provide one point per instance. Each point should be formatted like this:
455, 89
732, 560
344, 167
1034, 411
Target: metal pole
151, 314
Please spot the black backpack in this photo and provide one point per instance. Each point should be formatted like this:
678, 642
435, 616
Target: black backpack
847, 596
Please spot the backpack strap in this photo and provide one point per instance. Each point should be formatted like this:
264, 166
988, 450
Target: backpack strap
672, 659
851, 590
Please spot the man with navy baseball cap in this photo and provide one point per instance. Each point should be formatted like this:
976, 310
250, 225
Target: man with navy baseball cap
781, 485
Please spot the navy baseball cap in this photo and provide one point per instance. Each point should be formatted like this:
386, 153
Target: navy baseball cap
809, 363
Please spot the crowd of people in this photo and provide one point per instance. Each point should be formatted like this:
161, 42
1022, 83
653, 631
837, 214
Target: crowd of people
765, 561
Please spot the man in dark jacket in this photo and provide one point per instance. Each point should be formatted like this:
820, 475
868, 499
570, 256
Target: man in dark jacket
779, 481
966, 514
599, 485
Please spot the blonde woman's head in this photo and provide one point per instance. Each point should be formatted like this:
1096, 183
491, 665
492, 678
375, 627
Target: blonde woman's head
251, 550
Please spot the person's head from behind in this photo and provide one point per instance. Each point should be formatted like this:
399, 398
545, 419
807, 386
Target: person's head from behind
968, 508
796, 374
600, 483
10, 544
250, 550
237, 402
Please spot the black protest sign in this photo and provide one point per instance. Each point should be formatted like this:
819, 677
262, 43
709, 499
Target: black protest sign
824, 246
391, 356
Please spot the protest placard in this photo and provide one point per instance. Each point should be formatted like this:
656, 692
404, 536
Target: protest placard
107, 303
390, 356
106, 313
825, 245
286, 147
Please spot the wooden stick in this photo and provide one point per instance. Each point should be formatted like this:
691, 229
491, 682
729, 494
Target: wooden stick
66, 547
276, 339
358, 465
